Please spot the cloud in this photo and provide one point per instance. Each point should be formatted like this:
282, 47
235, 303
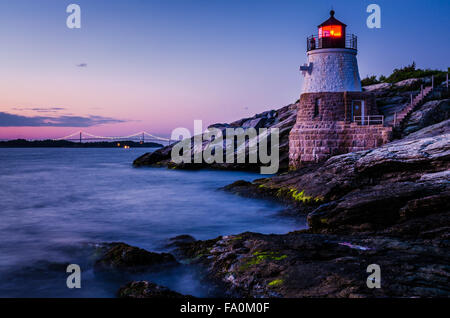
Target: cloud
41, 109
12, 120
82, 65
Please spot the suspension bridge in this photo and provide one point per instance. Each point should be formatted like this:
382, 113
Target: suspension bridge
141, 136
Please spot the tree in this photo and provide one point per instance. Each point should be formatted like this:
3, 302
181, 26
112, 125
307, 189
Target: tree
369, 80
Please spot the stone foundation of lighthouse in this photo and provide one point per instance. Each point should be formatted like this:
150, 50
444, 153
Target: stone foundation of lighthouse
324, 127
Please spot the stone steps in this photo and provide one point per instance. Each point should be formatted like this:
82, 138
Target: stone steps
410, 107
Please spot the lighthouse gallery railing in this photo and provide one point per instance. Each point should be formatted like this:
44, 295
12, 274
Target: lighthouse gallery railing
313, 42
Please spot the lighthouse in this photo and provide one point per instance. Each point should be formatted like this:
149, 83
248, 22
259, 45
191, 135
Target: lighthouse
334, 115
332, 65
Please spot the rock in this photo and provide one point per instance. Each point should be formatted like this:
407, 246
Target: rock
431, 131
301, 264
180, 240
121, 256
428, 205
430, 113
241, 187
381, 206
219, 125
144, 289
159, 157
254, 123
283, 119
377, 87
366, 187
407, 82
387, 206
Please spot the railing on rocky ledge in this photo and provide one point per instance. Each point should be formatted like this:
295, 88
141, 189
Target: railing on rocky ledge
369, 120
313, 42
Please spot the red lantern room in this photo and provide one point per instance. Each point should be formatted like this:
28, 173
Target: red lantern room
332, 34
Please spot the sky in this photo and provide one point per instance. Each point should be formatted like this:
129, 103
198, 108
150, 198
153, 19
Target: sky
155, 65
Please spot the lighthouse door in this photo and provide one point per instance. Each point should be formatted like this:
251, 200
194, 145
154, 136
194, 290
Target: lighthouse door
358, 111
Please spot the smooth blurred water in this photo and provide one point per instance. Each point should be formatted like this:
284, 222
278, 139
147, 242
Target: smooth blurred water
55, 204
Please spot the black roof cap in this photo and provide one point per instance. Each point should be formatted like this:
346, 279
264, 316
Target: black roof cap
332, 21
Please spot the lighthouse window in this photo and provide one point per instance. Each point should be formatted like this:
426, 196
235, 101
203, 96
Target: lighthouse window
316, 107
330, 31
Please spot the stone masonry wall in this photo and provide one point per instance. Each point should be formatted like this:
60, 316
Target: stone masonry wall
318, 135
333, 106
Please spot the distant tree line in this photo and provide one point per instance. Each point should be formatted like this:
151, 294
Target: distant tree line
406, 72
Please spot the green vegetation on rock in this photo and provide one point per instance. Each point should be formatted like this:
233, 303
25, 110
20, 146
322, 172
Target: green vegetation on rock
259, 257
298, 196
369, 80
275, 283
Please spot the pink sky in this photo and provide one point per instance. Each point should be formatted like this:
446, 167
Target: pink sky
159, 65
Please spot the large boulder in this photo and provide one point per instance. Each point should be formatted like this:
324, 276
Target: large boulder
121, 256
145, 289
180, 240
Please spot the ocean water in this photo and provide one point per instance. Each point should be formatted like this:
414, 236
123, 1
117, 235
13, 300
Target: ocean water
57, 204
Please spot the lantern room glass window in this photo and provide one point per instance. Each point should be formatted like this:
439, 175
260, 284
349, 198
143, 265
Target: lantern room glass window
334, 31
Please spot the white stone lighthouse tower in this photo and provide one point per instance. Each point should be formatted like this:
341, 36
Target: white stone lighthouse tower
332, 65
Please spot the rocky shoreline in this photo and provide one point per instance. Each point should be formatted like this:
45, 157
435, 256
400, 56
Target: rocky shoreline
283, 119
388, 206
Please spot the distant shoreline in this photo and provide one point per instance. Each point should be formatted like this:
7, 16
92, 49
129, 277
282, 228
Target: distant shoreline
22, 143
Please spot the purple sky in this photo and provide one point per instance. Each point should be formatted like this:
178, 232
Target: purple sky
157, 65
